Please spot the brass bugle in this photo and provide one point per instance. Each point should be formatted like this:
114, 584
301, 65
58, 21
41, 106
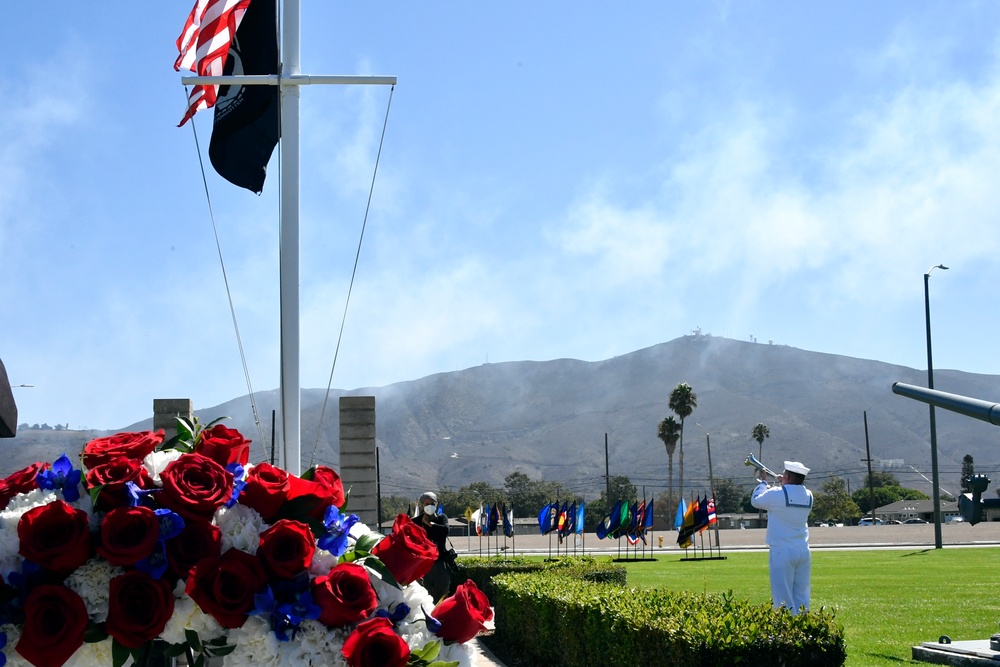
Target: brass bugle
761, 468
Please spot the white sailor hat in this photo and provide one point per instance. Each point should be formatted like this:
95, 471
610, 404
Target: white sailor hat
796, 467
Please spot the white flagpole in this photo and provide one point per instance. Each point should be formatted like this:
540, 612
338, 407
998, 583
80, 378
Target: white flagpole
289, 251
289, 84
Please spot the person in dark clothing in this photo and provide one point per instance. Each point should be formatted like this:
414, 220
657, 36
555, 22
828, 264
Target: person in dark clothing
435, 523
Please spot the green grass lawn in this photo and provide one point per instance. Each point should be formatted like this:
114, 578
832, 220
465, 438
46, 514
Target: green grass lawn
886, 600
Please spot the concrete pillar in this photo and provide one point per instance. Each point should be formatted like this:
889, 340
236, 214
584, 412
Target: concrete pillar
357, 456
167, 410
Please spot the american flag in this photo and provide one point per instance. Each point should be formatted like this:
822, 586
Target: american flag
204, 44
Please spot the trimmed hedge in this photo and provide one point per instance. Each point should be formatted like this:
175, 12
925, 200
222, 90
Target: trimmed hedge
556, 616
483, 570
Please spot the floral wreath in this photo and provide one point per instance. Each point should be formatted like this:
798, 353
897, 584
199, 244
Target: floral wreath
181, 547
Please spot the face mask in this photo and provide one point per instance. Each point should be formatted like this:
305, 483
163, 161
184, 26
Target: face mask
430, 510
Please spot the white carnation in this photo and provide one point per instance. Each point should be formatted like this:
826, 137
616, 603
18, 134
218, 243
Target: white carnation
23, 502
91, 581
156, 462
97, 654
323, 561
462, 653
14, 658
189, 616
255, 645
241, 528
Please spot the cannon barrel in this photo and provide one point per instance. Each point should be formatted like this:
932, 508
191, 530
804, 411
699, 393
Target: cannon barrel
970, 407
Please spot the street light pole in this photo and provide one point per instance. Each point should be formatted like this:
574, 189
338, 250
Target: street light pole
936, 488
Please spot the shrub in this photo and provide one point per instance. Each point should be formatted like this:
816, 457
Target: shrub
573, 621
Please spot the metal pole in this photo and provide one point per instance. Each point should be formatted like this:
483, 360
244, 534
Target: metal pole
871, 482
378, 491
711, 486
289, 248
607, 473
936, 490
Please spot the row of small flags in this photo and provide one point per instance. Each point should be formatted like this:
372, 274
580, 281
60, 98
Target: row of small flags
693, 518
564, 520
488, 519
629, 520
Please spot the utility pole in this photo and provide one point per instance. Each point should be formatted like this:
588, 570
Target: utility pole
871, 481
607, 473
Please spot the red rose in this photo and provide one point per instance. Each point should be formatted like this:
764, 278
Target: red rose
224, 587
113, 476
324, 485
128, 534
199, 539
464, 614
286, 548
407, 551
195, 486
266, 490
136, 446
55, 619
21, 481
138, 608
224, 445
375, 644
344, 594
55, 536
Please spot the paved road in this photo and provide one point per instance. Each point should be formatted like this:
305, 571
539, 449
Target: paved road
847, 537
905, 536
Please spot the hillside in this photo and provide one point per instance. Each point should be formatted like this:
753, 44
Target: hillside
549, 419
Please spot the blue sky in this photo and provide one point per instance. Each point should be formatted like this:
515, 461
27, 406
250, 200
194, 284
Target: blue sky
557, 180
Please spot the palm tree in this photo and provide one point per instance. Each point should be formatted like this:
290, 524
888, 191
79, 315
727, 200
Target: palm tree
682, 402
760, 431
669, 432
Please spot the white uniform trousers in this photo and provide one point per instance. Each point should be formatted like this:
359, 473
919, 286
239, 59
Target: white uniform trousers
790, 566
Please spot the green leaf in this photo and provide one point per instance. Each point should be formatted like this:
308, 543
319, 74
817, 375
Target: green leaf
95, 491
174, 650
222, 650
193, 640
367, 542
429, 651
95, 632
119, 653
378, 567
442, 663
216, 421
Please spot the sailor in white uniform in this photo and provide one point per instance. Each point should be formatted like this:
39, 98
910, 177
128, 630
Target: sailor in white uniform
788, 506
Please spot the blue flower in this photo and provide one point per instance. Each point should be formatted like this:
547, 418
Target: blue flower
338, 528
287, 616
171, 524
156, 563
137, 495
401, 611
239, 482
300, 610
433, 625
61, 475
264, 603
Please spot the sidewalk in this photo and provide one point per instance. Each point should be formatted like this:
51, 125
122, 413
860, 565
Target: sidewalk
485, 657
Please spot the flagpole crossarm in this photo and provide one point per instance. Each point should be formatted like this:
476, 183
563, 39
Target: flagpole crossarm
294, 80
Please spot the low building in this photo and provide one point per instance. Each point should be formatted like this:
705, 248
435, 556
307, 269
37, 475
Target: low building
903, 510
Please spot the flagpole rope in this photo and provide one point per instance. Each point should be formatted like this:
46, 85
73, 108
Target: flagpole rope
229, 294
354, 272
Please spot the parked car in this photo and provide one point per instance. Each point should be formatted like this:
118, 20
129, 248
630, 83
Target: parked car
915, 520
867, 521
894, 522
956, 519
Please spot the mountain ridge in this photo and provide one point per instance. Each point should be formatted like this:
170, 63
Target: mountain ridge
549, 419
